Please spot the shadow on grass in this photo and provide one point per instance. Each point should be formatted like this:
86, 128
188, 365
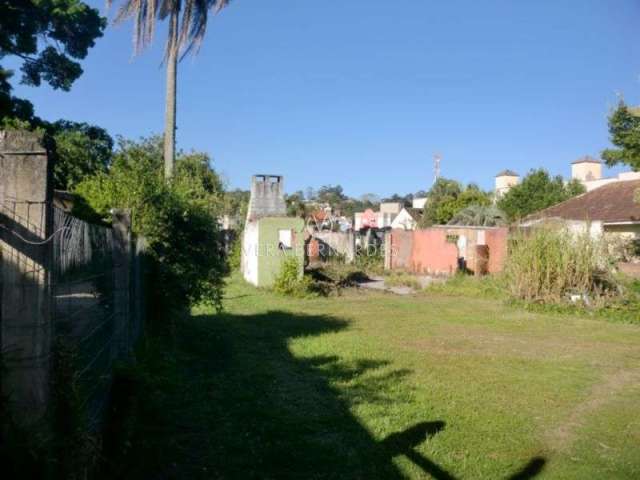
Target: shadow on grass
225, 398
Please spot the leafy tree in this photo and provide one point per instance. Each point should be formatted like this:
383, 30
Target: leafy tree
624, 128
236, 203
405, 200
446, 198
177, 218
295, 205
333, 195
48, 37
537, 191
187, 27
480, 216
81, 150
371, 198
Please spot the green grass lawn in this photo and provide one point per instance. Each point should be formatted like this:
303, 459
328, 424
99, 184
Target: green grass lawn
371, 385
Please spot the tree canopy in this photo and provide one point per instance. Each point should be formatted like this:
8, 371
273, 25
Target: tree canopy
178, 219
624, 128
537, 191
48, 37
81, 150
447, 197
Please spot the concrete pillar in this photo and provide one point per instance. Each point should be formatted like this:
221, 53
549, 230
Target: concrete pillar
25, 300
121, 222
387, 250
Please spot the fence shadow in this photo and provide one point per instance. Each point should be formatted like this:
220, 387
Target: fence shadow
225, 398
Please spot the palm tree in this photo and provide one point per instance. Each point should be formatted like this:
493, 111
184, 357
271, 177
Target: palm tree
187, 27
480, 216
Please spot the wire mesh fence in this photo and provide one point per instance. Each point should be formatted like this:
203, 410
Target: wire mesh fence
83, 310
67, 286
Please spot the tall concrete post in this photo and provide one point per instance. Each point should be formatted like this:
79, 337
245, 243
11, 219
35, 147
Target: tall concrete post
121, 223
25, 300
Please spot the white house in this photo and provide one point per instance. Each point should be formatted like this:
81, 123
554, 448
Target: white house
407, 219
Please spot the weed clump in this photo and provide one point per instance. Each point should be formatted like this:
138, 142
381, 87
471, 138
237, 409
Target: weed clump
291, 280
548, 265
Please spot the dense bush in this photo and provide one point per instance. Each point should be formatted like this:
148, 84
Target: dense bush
549, 265
177, 218
289, 281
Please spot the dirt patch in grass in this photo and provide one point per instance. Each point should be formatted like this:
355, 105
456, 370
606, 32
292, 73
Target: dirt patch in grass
562, 436
475, 341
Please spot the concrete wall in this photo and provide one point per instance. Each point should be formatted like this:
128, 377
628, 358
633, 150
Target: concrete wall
497, 243
25, 303
267, 197
432, 254
261, 255
270, 256
331, 243
400, 243
249, 253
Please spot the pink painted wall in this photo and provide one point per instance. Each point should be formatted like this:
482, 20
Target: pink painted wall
431, 254
401, 248
427, 251
497, 242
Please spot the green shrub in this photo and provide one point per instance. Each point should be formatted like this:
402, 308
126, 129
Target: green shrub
370, 261
549, 265
234, 259
488, 286
289, 281
177, 218
402, 279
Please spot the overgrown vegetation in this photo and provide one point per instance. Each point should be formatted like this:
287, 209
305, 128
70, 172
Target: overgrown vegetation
551, 265
370, 260
291, 280
177, 218
463, 285
552, 270
402, 279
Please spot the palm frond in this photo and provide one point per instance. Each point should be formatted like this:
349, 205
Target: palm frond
193, 19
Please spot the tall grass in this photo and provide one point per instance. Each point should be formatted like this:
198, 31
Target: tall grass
549, 265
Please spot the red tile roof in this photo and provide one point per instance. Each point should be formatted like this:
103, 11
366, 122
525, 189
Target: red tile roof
610, 203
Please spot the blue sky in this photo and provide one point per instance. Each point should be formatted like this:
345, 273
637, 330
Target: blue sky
363, 92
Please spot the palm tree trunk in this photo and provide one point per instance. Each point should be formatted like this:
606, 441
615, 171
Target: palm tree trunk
170, 112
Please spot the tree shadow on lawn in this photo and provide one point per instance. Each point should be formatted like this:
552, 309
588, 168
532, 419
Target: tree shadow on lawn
225, 398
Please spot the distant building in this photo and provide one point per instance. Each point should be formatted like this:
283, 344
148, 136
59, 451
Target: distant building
588, 171
419, 202
392, 208
269, 235
504, 181
407, 219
